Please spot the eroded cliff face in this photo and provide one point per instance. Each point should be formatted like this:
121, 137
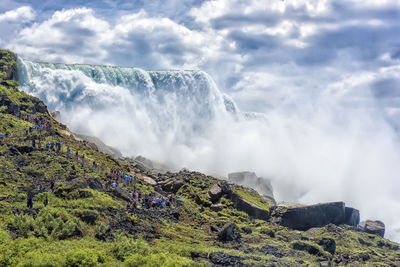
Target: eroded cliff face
8, 64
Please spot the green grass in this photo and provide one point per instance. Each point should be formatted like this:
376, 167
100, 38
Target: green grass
252, 197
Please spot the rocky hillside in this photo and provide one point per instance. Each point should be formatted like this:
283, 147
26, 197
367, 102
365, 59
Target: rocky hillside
81, 217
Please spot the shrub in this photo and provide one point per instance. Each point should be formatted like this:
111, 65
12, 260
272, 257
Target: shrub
101, 231
23, 225
36, 259
81, 257
124, 247
51, 223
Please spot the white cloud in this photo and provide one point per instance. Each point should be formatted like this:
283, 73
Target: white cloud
20, 15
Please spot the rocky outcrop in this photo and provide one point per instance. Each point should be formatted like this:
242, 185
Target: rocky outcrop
352, 216
94, 184
147, 180
121, 194
373, 227
306, 217
249, 207
215, 193
262, 185
172, 185
229, 233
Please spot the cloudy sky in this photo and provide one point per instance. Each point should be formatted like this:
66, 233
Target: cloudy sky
250, 48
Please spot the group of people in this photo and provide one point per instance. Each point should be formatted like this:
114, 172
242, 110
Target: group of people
152, 200
29, 200
117, 177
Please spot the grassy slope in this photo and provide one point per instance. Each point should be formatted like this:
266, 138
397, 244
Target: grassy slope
58, 235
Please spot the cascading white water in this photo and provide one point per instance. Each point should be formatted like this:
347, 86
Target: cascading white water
324, 153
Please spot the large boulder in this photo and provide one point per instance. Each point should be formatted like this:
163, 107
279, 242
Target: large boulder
262, 185
229, 233
63, 189
215, 193
249, 207
121, 193
172, 185
306, 217
352, 216
373, 227
94, 184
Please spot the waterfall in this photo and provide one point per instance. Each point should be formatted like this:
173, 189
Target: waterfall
317, 150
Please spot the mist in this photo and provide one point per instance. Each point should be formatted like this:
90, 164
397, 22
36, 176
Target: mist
328, 146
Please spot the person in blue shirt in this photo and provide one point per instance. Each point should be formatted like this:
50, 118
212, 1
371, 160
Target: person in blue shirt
2, 136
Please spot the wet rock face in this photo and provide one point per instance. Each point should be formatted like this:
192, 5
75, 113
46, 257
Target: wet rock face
352, 216
373, 227
306, 217
230, 233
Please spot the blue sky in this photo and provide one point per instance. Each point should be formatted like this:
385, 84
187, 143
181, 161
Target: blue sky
252, 49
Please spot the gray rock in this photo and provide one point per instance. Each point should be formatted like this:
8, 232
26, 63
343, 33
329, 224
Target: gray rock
172, 185
373, 227
306, 217
226, 188
229, 233
250, 208
262, 185
121, 193
216, 207
215, 193
95, 184
352, 216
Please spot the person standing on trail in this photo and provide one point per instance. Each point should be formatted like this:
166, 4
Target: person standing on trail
1, 137
68, 150
47, 145
51, 185
83, 159
29, 202
39, 144
46, 201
